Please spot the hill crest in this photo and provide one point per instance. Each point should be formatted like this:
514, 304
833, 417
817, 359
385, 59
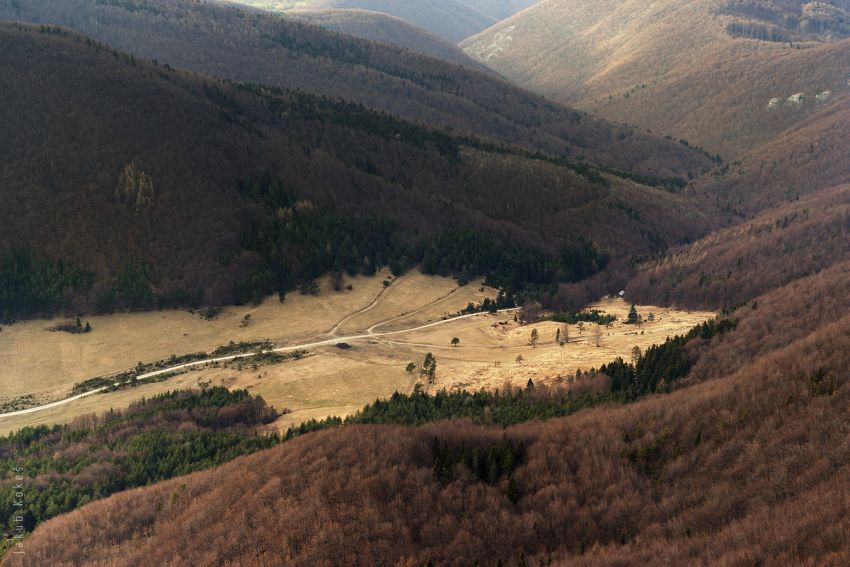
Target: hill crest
452, 20
384, 28
255, 47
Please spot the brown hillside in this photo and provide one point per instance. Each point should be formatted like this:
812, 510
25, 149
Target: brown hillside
450, 19
677, 66
737, 264
384, 28
499, 9
798, 161
84, 118
749, 468
262, 48
778, 319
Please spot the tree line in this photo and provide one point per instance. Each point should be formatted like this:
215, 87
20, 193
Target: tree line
297, 242
652, 371
31, 285
661, 365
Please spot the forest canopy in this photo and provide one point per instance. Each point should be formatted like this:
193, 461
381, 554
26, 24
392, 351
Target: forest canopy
165, 221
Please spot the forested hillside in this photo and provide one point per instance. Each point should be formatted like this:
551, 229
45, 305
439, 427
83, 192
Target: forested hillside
263, 48
384, 28
798, 238
168, 435
801, 160
154, 187
449, 19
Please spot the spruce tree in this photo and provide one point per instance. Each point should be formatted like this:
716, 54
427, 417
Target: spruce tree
633, 315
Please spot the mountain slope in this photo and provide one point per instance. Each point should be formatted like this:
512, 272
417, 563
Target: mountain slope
384, 28
266, 49
677, 66
737, 264
450, 19
499, 9
799, 161
151, 179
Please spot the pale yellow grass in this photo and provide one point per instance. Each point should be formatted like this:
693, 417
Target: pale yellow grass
328, 382
487, 354
34, 360
333, 381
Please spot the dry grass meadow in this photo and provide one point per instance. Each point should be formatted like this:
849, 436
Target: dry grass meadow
328, 380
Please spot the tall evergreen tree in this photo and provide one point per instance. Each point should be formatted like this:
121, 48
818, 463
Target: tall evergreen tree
633, 315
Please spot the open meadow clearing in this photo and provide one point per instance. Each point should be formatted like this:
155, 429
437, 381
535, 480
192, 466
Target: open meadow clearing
384, 328
35, 360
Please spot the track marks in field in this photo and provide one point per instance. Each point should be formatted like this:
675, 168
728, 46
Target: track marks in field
71, 356
11, 367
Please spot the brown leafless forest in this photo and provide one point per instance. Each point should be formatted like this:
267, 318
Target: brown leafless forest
795, 239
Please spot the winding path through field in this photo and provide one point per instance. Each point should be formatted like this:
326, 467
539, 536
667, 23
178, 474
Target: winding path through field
370, 333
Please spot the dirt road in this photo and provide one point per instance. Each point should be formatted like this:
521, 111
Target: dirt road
370, 333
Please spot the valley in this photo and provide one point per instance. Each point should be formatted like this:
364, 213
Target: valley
227, 192
321, 283
382, 328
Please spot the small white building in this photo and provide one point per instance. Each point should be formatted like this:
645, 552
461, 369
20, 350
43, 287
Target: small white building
774, 103
824, 96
